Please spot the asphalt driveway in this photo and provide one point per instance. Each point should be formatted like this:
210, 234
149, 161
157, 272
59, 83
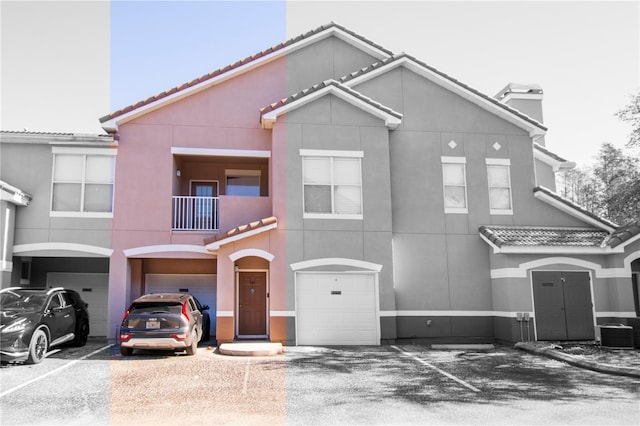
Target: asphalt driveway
403, 384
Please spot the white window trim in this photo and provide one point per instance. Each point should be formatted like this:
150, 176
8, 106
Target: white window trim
456, 160
500, 162
332, 154
84, 151
111, 152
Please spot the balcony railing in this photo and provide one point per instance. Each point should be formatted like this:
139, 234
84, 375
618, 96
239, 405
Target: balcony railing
195, 213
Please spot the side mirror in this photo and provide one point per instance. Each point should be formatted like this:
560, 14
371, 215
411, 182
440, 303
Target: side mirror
205, 307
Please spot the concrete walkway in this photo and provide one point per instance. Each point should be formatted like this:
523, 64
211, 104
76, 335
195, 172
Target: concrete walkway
549, 352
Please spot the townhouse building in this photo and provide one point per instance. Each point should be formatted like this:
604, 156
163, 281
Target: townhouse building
326, 191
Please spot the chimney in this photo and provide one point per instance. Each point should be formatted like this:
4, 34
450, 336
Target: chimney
526, 98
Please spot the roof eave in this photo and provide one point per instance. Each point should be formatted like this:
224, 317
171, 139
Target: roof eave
555, 250
543, 196
215, 245
391, 119
555, 163
14, 195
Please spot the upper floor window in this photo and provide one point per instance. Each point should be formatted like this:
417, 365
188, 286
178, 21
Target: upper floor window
455, 184
499, 180
332, 184
82, 183
243, 182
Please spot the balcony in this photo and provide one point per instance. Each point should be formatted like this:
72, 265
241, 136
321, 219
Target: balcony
212, 214
195, 213
215, 193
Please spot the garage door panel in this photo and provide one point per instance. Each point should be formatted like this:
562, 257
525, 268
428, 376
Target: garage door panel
93, 289
336, 309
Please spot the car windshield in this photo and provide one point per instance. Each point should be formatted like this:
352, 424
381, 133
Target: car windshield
21, 300
156, 308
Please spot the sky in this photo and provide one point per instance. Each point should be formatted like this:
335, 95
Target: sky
63, 65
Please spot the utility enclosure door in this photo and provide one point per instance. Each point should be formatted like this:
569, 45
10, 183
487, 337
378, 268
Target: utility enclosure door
563, 305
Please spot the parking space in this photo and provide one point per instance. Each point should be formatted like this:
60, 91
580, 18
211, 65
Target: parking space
402, 384
378, 385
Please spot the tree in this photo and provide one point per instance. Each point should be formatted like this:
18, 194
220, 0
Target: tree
610, 188
631, 115
619, 181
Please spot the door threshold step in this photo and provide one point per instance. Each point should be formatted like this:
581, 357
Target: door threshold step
251, 348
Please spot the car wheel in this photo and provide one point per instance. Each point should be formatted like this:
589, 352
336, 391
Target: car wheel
38, 346
191, 350
82, 334
126, 351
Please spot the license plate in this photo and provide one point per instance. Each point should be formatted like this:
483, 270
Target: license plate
153, 324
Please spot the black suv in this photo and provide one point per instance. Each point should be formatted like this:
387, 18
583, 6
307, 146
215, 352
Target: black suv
165, 321
33, 320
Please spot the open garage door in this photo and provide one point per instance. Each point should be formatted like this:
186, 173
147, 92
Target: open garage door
202, 286
337, 309
93, 289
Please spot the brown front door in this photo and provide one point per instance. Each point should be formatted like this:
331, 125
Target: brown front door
252, 296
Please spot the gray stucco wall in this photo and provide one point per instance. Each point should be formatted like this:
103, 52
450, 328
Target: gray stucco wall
29, 166
330, 123
325, 59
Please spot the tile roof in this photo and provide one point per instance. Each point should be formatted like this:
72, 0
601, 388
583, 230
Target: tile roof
27, 132
26, 136
624, 233
574, 206
238, 64
328, 83
240, 231
462, 85
535, 236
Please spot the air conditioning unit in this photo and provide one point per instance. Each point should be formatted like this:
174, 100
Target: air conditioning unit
635, 323
616, 336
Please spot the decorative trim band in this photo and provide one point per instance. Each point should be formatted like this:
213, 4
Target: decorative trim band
336, 261
165, 248
523, 270
82, 248
502, 314
290, 314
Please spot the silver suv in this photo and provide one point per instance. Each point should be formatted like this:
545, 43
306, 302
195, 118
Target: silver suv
165, 321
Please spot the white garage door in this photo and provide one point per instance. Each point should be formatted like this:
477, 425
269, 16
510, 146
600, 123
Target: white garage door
202, 286
336, 309
93, 289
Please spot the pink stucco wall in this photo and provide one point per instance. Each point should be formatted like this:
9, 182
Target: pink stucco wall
224, 116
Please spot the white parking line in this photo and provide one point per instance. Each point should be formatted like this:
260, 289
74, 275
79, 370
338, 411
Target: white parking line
7, 392
444, 373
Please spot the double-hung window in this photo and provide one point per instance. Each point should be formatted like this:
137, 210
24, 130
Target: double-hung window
499, 179
332, 184
455, 184
82, 184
